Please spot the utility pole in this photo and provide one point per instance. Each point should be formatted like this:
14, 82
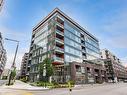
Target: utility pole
13, 67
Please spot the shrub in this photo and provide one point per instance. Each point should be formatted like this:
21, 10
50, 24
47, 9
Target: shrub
23, 80
72, 83
53, 85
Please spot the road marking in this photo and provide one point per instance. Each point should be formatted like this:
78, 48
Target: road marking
16, 93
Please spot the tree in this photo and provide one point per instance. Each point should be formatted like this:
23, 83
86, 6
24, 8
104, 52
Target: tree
47, 68
13, 74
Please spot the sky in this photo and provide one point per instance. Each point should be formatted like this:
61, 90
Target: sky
105, 19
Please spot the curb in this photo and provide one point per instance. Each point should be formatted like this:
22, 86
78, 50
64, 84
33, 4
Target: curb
28, 89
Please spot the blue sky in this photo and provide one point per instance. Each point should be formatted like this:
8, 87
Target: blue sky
106, 19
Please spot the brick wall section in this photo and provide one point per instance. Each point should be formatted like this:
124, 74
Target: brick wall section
102, 77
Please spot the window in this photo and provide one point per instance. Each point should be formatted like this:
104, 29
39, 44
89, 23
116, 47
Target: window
69, 58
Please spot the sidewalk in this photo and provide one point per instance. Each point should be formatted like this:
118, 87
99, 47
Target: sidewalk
82, 86
19, 85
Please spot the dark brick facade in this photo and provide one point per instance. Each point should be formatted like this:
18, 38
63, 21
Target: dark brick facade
88, 73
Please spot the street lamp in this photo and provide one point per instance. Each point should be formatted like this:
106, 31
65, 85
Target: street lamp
13, 64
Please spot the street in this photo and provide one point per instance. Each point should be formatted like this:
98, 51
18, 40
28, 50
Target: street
106, 89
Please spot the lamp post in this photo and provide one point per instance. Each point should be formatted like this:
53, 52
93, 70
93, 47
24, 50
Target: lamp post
13, 67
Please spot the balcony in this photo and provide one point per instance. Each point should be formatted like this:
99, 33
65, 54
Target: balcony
78, 73
83, 44
59, 25
82, 38
83, 51
96, 74
60, 50
58, 59
59, 32
59, 41
83, 57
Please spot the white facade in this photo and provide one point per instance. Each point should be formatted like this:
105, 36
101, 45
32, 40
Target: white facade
1, 4
3, 57
106, 54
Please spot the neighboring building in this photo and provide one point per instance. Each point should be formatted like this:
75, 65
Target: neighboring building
3, 56
126, 69
1, 4
5, 74
115, 70
18, 74
63, 40
23, 70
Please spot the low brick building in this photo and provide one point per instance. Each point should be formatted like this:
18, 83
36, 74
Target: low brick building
88, 72
81, 73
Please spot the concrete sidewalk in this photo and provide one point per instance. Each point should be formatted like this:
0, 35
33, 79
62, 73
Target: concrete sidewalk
19, 85
82, 86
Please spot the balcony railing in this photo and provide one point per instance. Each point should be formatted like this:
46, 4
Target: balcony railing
59, 49
60, 25
59, 32
58, 59
83, 51
61, 41
96, 74
83, 44
83, 57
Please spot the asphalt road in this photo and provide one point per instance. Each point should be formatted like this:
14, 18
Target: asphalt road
2, 82
108, 89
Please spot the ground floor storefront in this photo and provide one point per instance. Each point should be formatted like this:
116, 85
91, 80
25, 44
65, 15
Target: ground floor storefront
80, 73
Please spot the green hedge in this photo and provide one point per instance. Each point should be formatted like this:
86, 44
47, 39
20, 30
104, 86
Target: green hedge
53, 85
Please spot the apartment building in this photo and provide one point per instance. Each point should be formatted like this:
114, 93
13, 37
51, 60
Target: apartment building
63, 40
5, 74
1, 4
23, 70
115, 70
3, 56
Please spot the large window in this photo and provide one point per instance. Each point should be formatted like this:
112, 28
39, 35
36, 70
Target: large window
72, 36
91, 41
72, 29
69, 58
72, 51
43, 29
92, 47
90, 57
72, 43
92, 53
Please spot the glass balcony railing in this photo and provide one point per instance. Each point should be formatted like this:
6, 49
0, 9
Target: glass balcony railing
59, 49
96, 74
58, 59
83, 44
59, 32
83, 51
59, 40
59, 24
83, 57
